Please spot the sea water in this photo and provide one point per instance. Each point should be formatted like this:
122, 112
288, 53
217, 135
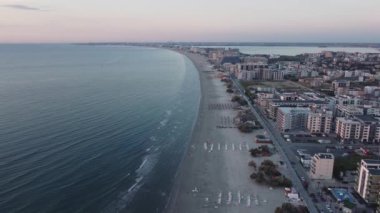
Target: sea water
86, 128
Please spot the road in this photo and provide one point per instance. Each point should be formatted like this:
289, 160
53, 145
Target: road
295, 170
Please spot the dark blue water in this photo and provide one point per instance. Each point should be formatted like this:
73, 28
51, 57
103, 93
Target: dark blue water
92, 128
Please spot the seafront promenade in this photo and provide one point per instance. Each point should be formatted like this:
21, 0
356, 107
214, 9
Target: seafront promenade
214, 175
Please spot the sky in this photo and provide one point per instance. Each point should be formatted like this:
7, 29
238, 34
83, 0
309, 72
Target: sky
52, 21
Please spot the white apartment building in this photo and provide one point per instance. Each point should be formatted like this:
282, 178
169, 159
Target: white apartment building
347, 129
322, 165
349, 100
368, 181
305, 160
257, 71
360, 128
292, 118
320, 121
348, 110
278, 75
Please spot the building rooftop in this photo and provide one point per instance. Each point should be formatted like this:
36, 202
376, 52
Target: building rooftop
325, 156
294, 109
300, 101
230, 59
367, 118
374, 171
306, 157
371, 161
344, 119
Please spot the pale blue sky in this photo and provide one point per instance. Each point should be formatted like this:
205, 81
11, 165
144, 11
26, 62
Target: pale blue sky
190, 20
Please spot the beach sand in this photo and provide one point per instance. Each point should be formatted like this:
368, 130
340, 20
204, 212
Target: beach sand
214, 174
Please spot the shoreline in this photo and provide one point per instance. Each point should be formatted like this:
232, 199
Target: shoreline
175, 188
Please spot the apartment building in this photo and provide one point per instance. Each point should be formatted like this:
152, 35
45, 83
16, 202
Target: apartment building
292, 118
257, 71
361, 128
274, 104
319, 121
340, 87
251, 71
278, 75
348, 110
368, 180
347, 100
322, 165
263, 98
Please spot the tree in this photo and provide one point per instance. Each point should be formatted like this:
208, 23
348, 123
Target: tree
262, 150
243, 102
240, 100
286, 182
253, 175
260, 177
252, 164
246, 115
235, 98
246, 127
268, 163
290, 208
229, 90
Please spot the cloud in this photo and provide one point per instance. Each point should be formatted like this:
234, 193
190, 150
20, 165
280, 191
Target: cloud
22, 7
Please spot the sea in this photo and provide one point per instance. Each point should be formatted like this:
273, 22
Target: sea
296, 50
87, 128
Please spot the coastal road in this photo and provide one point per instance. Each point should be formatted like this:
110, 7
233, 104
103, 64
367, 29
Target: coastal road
295, 171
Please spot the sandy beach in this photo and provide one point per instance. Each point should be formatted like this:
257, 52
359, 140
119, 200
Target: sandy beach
214, 175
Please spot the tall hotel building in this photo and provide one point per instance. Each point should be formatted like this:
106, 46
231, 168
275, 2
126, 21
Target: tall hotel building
368, 180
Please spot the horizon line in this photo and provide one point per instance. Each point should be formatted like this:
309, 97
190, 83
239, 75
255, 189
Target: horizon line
196, 42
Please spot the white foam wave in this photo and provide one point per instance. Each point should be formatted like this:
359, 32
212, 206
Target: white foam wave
142, 164
125, 197
147, 164
164, 122
137, 181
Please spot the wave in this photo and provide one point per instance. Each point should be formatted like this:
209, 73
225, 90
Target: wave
125, 197
168, 113
142, 164
164, 122
134, 186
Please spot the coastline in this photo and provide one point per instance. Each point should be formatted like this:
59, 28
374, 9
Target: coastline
175, 188
213, 175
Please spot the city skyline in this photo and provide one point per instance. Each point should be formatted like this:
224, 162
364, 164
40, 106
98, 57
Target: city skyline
39, 21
